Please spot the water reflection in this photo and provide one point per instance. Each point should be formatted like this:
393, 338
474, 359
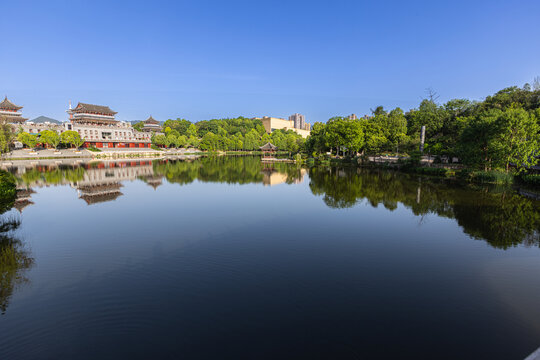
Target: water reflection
500, 216
15, 259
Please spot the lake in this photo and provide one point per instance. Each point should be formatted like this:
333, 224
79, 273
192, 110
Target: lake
229, 258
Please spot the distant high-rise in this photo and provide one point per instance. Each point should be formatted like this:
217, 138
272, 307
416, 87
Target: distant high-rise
299, 121
353, 117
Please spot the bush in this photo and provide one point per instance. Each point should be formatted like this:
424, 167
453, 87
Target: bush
487, 177
531, 179
155, 147
432, 171
93, 148
8, 190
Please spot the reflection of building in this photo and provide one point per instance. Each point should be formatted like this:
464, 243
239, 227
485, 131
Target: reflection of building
270, 124
272, 177
101, 181
93, 194
98, 126
94, 182
23, 198
10, 112
151, 125
152, 180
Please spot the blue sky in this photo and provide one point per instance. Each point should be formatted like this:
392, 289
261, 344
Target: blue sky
211, 59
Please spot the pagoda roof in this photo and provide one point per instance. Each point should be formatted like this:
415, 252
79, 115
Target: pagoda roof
151, 120
96, 109
268, 146
8, 105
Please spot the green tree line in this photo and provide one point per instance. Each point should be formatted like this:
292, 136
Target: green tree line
500, 131
225, 135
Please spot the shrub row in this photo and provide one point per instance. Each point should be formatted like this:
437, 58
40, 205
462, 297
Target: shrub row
531, 179
487, 177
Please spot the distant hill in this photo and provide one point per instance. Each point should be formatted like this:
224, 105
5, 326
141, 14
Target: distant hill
43, 119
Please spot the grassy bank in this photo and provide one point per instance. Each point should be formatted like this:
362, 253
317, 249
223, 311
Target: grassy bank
469, 175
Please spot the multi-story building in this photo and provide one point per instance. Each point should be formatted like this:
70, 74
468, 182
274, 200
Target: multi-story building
353, 117
98, 126
298, 120
271, 123
10, 112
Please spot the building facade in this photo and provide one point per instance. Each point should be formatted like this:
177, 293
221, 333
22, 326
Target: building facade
271, 123
298, 120
98, 126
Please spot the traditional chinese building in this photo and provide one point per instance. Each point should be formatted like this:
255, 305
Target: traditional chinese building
151, 125
98, 126
10, 112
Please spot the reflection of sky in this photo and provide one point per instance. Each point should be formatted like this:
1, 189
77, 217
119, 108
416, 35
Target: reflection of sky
427, 265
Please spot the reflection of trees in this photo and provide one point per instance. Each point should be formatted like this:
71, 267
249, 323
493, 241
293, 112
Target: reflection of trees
227, 169
14, 261
503, 218
52, 176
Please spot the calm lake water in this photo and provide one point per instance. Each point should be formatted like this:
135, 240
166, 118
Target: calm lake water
226, 258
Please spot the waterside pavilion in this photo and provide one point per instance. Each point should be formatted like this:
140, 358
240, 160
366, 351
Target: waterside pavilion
268, 151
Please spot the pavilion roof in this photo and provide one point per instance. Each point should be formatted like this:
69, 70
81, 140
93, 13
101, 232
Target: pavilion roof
151, 120
96, 109
8, 105
268, 146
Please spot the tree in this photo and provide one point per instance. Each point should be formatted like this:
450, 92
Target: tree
193, 141
292, 144
170, 139
429, 115
251, 140
344, 135
70, 137
78, 141
50, 138
180, 125
476, 144
374, 136
6, 135
209, 142
27, 139
518, 138
394, 126
191, 131
181, 141
138, 126
159, 140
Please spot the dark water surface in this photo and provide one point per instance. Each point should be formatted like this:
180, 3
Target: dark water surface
224, 258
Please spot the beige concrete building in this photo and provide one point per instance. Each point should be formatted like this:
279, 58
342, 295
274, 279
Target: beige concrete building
271, 123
